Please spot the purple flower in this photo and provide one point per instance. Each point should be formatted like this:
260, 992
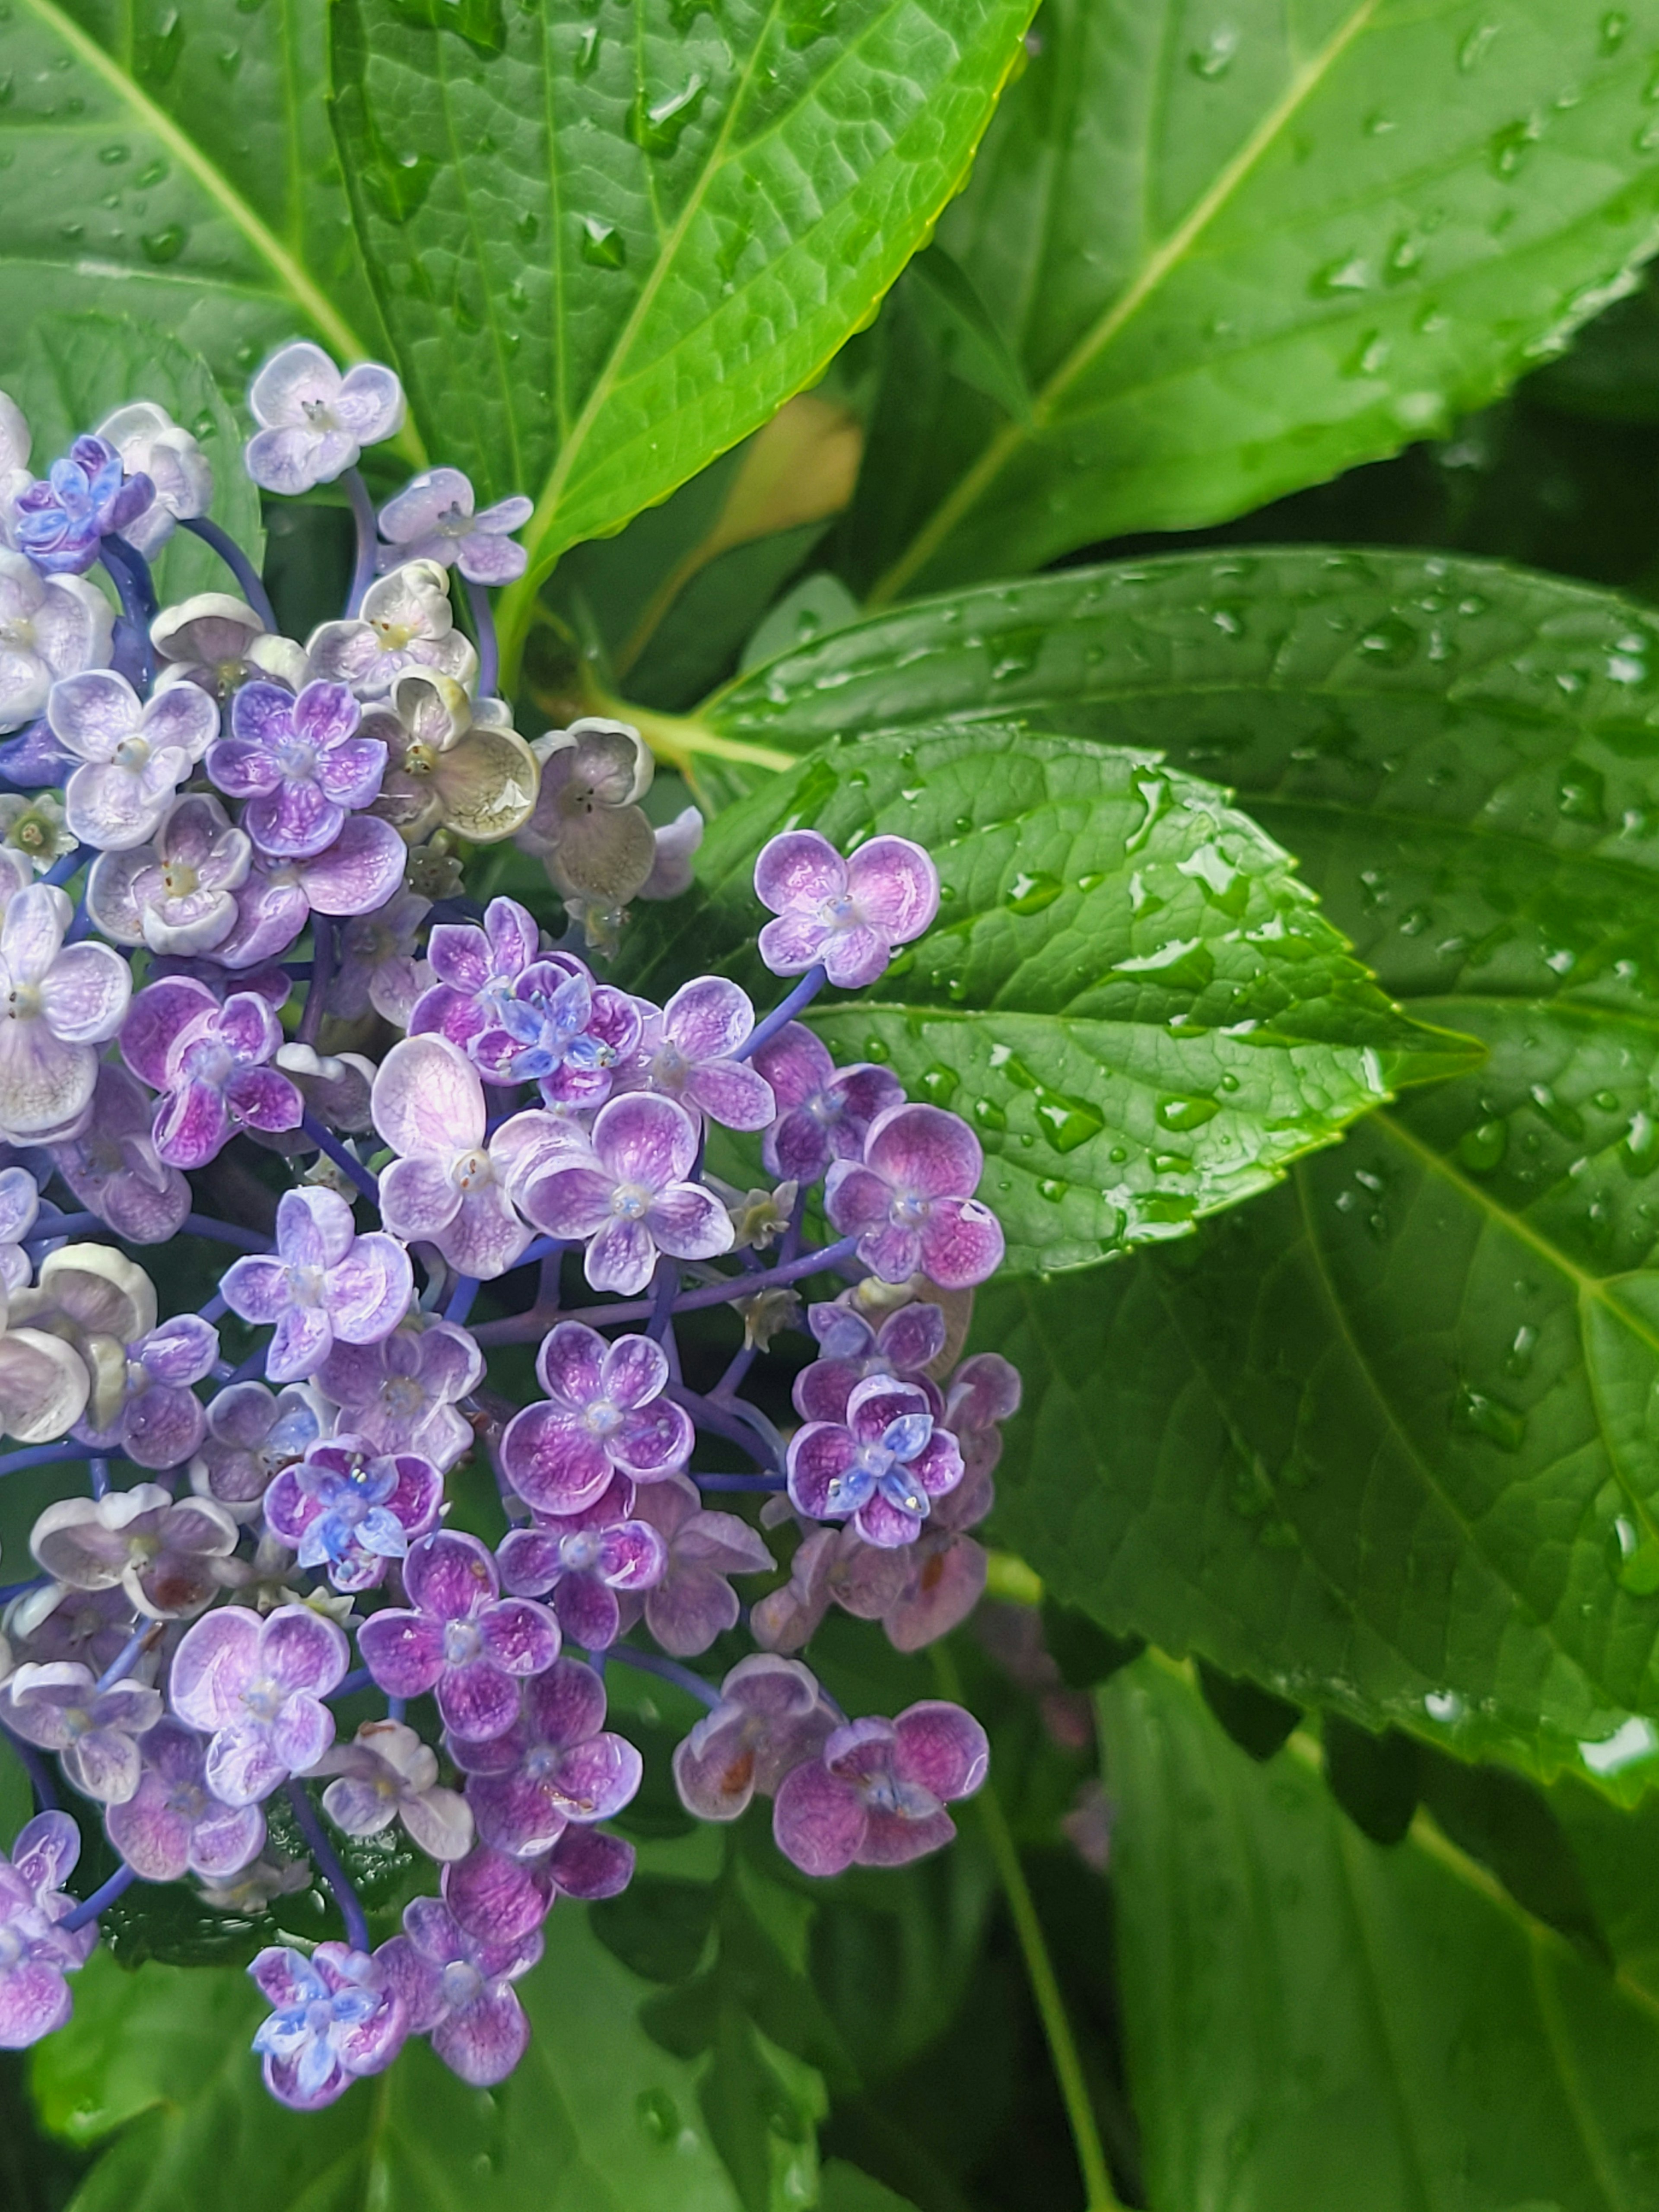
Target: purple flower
406, 624
692, 1603
88, 495
326, 1283
133, 754
831, 1567
557, 1764
582, 1560
772, 1717
218, 643
378, 967
910, 1203
257, 1687
159, 1422
386, 1773
35, 1953
458, 1990
162, 1554
947, 1568
343, 1510
59, 1003
251, 1436
984, 1392
846, 915
176, 893
875, 1795
298, 762
58, 1622
61, 1708
882, 1469
210, 1063
587, 825
824, 1112
498, 1898
431, 518
628, 1196
49, 626
314, 423
605, 1413
336, 2018
907, 1343
446, 1188
685, 1052
111, 1166
172, 1825
150, 443
20, 1205
461, 1639
401, 1394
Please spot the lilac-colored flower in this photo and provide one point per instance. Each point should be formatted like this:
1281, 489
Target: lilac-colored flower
882, 1469
257, 1689
824, 1112
386, 1773
173, 1825
250, 1437
498, 1898
314, 423
405, 623
674, 870
771, 1718
210, 1063
162, 1554
334, 2018
401, 1394
86, 496
587, 824
446, 1187
629, 1196
692, 1603
35, 1952
431, 518
875, 1795
907, 1343
55, 1622
685, 1053
984, 1392
151, 444
59, 1003
947, 1568
461, 1640
60, 1707
356, 874
95, 1301
556, 1765
326, 1283
455, 764
299, 762
831, 1567
134, 754
580, 1561
846, 915
20, 1203
49, 626
459, 1990
605, 1413
346, 1511
158, 1421
910, 1202
176, 893
378, 965
44, 1383
219, 643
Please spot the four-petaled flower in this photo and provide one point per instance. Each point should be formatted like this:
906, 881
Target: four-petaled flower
626, 1192
313, 423
158, 1421
173, 1825
250, 1437
844, 915
210, 1062
557, 1764
134, 753
910, 1200
59, 1003
346, 1510
823, 1112
771, 1718
461, 1639
876, 1793
50, 627
431, 518
161, 1552
401, 1394
881, 1469
336, 2017
908, 1343
692, 1603
151, 444
685, 1052
406, 623
112, 1168
447, 1186
588, 825
298, 764
61, 1707
175, 894
35, 1952
580, 1562
605, 1413
326, 1283
60, 520
458, 1989
257, 1689
386, 1773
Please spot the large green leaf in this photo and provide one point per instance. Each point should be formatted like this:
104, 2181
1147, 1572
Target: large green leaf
1127, 992
1235, 249
173, 161
1314, 2021
606, 253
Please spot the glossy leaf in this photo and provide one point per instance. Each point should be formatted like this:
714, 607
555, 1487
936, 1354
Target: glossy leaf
1235, 251
1314, 2020
627, 248
1127, 992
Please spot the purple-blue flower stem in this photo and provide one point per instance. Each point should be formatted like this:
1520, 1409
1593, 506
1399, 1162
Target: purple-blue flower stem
226, 1233
351, 1910
41, 1456
662, 1298
728, 1421
396, 1708
252, 1365
39, 1774
129, 572
358, 1679
80, 923
484, 626
66, 1224
98, 1472
460, 1304
742, 1360
254, 590
121, 1665
669, 1670
803, 995
105, 1894
66, 864
325, 1141
322, 975
362, 509
773, 1482
215, 1307
818, 1262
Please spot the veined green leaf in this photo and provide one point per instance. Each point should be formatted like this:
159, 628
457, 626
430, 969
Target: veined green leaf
609, 251
1235, 251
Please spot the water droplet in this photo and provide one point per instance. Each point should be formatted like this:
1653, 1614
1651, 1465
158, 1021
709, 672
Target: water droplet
1564, 1119
603, 244
1615, 24
526, 227
989, 1115
658, 126
1066, 1122
1482, 1148
1053, 1190
1214, 57
876, 1048
165, 245
111, 155
1507, 150
938, 1082
1517, 1361
1030, 894
1349, 273
1608, 1101
1638, 1570
587, 51
151, 173
1092, 881
1187, 1112
1475, 1413
1473, 49
658, 2115
1579, 792
1389, 643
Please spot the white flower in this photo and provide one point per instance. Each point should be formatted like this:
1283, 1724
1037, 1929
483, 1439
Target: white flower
314, 422
150, 443
16, 475
406, 623
59, 1003
135, 754
32, 835
49, 626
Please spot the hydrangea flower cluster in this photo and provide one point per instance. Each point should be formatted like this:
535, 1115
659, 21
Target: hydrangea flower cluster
245, 1000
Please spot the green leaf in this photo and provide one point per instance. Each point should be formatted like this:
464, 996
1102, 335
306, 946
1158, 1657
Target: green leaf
1127, 991
597, 2118
1314, 2021
174, 163
940, 293
1235, 251
845, 2189
627, 246
75, 369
